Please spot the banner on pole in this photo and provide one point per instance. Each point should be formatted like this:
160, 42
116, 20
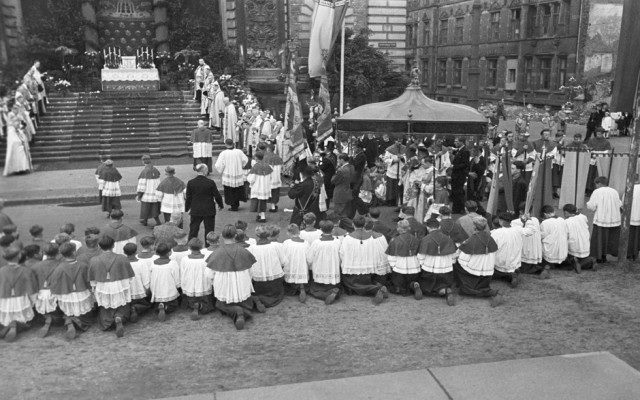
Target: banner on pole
325, 27
293, 113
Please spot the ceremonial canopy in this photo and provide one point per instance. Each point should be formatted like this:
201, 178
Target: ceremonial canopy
413, 113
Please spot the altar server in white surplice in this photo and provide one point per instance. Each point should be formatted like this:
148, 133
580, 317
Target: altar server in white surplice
196, 281
605, 202
296, 271
555, 237
510, 240
323, 257
579, 243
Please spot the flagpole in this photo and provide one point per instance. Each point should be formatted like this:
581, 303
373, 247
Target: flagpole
342, 68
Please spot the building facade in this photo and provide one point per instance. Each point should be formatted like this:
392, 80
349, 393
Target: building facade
472, 51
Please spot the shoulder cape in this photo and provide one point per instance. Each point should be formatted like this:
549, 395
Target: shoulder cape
69, 278
405, 245
16, 281
110, 174
149, 172
437, 243
119, 232
479, 243
261, 168
230, 258
453, 230
110, 267
171, 185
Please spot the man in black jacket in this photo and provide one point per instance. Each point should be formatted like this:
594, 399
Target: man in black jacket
460, 171
201, 193
305, 197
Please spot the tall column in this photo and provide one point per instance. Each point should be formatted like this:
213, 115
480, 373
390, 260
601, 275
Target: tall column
162, 29
4, 55
474, 59
91, 26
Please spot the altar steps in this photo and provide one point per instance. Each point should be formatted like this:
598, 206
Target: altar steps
86, 126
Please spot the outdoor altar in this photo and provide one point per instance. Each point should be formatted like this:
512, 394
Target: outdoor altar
129, 73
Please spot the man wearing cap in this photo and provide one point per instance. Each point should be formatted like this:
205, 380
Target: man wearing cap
148, 182
230, 164
201, 140
171, 194
201, 193
109, 179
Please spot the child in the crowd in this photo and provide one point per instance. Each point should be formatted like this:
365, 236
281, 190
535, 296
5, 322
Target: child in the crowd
323, 258
296, 271
267, 273
213, 242
16, 307
310, 233
45, 303
436, 254
382, 272
241, 229
32, 254
196, 281
403, 259
164, 282
142, 268
181, 249
37, 235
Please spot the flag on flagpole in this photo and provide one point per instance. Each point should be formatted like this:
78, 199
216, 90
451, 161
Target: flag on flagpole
293, 113
533, 182
326, 24
325, 126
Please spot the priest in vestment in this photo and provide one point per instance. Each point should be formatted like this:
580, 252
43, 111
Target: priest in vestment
17, 290
475, 266
199, 76
436, 254
230, 124
323, 258
216, 106
230, 164
110, 275
357, 253
634, 228
232, 286
148, 182
70, 285
206, 88
394, 159
202, 142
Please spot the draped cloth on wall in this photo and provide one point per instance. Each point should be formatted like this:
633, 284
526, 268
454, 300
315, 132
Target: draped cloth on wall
574, 178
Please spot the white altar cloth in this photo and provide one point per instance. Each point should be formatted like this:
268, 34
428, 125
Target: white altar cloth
140, 74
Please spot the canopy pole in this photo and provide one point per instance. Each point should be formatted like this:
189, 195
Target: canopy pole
342, 68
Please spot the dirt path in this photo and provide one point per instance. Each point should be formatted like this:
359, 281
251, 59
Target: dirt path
301, 342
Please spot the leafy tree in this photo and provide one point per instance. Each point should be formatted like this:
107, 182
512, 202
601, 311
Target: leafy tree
369, 75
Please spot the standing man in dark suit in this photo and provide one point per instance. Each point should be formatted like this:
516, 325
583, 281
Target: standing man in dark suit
342, 193
305, 197
461, 163
201, 193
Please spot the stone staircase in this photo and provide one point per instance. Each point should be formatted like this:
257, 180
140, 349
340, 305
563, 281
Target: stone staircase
84, 126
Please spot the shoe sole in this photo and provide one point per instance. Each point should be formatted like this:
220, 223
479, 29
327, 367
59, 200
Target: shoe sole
195, 315
451, 301
330, 299
71, 332
417, 291
119, 328
44, 331
576, 266
302, 297
379, 297
11, 335
239, 323
497, 300
515, 282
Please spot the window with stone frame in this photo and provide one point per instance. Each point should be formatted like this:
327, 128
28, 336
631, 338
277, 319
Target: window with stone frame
457, 72
443, 35
442, 72
459, 32
562, 71
494, 27
514, 23
565, 17
555, 19
409, 36
528, 73
426, 32
425, 72
492, 72
532, 22
544, 73
545, 20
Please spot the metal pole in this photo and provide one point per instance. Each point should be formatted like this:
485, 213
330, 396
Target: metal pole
342, 68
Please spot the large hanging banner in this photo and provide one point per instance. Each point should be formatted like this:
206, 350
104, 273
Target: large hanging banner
574, 178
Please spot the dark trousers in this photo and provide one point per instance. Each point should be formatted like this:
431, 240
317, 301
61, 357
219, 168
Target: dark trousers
205, 302
457, 196
167, 218
82, 322
202, 160
234, 310
140, 305
472, 285
196, 220
169, 306
402, 282
107, 316
361, 285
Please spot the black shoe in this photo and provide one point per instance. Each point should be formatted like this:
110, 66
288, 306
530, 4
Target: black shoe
263, 220
161, 313
233, 209
274, 209
134, 315
239, 323
71, 331
119, 327
44, 331
195, 313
